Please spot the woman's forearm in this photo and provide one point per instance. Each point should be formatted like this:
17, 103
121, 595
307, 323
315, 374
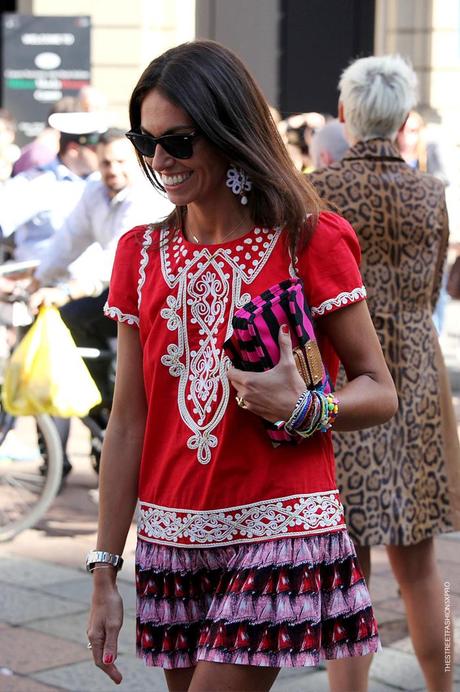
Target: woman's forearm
118, 484
369, 398
364, 403
122, 448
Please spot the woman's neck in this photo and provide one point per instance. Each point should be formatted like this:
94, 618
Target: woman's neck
215, 224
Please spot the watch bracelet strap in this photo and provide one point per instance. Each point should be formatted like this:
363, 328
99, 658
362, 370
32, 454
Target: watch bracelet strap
99, 557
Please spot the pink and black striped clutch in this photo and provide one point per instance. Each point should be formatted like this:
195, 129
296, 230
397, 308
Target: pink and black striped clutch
253, 345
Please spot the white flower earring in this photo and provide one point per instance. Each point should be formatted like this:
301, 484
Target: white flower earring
238, 182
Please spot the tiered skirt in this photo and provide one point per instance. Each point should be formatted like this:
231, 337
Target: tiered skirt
283, 603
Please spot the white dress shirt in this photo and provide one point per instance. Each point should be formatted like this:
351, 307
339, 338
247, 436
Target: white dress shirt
34, 204
85, 245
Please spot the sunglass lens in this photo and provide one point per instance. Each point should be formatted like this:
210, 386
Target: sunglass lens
144, 144
180, 146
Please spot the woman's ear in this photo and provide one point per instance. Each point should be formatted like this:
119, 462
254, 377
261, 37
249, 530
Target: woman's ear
341, 112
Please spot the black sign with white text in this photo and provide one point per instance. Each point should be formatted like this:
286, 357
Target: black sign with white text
44, 59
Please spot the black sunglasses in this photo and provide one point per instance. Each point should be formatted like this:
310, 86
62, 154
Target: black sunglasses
179, 146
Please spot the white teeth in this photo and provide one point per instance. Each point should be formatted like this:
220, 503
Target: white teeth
175, 179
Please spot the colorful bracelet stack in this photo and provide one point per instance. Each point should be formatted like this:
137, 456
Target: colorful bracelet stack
314, 411
332, 411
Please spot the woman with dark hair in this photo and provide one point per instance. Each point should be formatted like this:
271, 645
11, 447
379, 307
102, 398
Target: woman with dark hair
243, 563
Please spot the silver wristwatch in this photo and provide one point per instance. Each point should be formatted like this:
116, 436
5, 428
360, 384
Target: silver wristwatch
96, 557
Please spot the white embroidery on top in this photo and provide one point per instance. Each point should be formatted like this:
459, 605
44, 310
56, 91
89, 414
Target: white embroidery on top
143, 263
340, 300
207, 288
116, 313
294, 515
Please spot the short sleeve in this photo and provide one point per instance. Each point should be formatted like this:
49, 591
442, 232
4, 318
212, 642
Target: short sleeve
329, 266
122, 302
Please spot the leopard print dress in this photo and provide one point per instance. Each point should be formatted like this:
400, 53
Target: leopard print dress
400, 482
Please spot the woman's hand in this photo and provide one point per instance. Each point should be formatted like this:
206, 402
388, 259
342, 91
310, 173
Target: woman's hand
105, 621
271, 394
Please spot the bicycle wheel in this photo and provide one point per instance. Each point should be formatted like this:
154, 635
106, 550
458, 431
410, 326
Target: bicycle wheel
6, 423
26, 494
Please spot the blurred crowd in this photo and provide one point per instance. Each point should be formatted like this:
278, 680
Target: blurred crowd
65, 200
51, 187
315, 140
67, 196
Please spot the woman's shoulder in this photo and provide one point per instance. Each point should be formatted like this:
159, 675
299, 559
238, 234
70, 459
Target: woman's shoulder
133, 237
329, 265
330, 232
141, 237
331, 224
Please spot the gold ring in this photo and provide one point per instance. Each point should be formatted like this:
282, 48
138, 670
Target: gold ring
240, 401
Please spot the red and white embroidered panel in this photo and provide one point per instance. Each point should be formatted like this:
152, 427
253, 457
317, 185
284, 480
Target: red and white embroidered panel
207, 285
296, 515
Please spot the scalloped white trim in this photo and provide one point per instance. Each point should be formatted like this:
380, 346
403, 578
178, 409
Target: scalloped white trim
147, 241
339, 301
294, 515
117, 314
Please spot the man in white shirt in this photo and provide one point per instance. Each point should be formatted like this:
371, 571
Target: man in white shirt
76, 270
107, 209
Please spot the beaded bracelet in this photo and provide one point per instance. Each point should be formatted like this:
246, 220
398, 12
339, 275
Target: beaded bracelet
332, 411
314, 411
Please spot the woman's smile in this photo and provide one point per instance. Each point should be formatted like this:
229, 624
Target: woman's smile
173, 180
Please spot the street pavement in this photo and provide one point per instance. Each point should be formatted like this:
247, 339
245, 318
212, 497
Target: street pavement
45, 593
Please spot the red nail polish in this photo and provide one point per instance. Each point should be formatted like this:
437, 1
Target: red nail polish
108, 658
285, 329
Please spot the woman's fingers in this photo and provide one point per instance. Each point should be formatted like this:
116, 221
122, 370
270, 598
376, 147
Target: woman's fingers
110, 646
285, 344
271, 394
97, 646
235, 376
103, 634
113, 673
241, 381
104, 654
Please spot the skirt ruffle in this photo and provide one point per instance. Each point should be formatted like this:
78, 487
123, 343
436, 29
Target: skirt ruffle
281, 603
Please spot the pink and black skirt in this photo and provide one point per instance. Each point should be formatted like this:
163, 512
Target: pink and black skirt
289, 602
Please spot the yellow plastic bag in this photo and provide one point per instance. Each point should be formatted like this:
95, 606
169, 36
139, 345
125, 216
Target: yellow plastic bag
46, 374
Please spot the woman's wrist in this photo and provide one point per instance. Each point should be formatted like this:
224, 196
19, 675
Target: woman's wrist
294, 396
313, 411
104, 575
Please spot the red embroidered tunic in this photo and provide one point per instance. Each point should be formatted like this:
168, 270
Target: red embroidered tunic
209, 473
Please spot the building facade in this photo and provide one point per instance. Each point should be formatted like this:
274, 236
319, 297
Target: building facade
295, 48
126, 36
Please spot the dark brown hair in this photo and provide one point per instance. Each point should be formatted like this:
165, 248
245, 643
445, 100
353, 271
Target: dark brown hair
212, 85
